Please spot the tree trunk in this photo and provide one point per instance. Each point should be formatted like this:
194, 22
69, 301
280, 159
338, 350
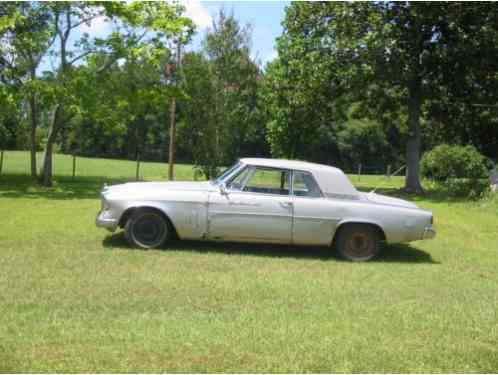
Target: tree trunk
32, 138
46, 170
413, 145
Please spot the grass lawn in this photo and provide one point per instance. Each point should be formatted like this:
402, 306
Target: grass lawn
74, 298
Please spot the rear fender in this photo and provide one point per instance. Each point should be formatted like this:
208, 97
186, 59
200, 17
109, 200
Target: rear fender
359, 221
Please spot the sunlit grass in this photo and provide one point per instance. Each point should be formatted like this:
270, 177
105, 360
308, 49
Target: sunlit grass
74, 298
17, 162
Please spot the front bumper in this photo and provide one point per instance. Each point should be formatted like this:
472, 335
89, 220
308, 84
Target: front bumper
105, 220
429, 233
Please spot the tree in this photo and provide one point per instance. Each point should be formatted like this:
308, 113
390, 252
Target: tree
298, 106
394, 58
31, 29
364, 142
9, 116
197, 128
232, 87
164, 21
24, 38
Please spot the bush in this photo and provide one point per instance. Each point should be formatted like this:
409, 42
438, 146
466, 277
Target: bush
462, 169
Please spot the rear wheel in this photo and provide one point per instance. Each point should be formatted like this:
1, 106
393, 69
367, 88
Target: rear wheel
358, 242
147, 229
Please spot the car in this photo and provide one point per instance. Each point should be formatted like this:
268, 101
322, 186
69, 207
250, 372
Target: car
265, 200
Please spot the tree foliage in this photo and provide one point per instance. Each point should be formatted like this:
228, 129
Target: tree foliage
398, 60
222, 115
55, 25
370, 83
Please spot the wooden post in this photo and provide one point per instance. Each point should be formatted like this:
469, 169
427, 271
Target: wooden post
359, 171
138, 166
172, 114
74, 166
1, 161
389, 171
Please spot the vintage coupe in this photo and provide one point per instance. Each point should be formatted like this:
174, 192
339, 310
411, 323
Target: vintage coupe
265, 200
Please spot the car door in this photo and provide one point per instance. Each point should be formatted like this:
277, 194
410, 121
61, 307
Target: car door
315, 218
256, 206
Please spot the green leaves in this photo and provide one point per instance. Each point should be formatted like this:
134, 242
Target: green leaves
8, 18
221, 120
381, 57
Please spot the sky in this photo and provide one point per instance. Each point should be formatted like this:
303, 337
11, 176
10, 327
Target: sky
265, 18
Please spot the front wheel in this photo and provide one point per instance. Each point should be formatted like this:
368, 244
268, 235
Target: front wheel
146, 229
358, 242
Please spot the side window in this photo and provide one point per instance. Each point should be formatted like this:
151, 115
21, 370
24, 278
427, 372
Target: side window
269, 181
304, 185
237, 182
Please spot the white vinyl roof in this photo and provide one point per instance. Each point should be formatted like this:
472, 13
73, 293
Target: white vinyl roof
332, 180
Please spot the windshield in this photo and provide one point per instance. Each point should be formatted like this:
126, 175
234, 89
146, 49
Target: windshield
227, 173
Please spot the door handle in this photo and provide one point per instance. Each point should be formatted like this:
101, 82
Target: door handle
286, 204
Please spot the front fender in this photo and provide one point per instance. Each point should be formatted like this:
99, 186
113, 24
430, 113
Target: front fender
188, 218
127, 208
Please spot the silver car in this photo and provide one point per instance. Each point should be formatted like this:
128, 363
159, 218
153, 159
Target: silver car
265, 200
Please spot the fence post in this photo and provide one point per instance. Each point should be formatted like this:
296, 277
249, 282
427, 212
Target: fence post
1, 161
389, 172
359, 171
138, 166
74, 166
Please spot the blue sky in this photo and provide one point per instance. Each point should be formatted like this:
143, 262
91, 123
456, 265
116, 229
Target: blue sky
264, 16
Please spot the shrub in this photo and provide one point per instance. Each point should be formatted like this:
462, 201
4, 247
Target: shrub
462, 169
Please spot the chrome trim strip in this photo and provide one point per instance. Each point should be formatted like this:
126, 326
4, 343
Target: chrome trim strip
255, 213
343, 196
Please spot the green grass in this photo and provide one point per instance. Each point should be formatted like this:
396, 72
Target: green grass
74, 298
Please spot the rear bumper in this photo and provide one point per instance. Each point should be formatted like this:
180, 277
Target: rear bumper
105, 220
429, 233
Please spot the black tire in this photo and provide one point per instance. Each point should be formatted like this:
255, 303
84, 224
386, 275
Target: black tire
147, 229
358, 242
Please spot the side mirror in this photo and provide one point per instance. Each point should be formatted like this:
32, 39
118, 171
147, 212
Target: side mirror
223, 189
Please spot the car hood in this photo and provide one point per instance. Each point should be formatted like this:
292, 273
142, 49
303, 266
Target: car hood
137, 187
384, 199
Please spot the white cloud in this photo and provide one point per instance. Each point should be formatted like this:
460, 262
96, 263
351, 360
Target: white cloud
197, 13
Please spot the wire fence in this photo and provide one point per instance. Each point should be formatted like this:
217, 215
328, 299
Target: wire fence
78, 168
75, 167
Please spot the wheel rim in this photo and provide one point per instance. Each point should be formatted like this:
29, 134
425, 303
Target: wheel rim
149, 230
359, 245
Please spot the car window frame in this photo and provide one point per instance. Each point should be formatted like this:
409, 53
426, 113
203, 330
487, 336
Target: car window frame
251, 174
235, 175
229, 173
314, 179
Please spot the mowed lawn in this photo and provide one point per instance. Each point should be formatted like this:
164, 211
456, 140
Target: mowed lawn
74, 298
